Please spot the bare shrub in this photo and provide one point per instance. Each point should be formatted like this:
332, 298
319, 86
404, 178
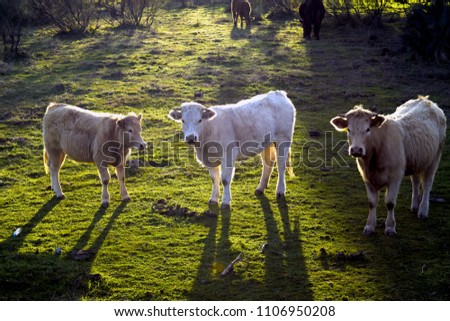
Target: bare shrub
69, 16
11, 21
133, 13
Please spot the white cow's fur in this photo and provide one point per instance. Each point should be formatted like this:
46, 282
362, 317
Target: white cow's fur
224, 134
407, 142
85, 136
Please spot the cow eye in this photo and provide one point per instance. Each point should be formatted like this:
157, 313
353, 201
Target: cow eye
368, 129
130, 130
200, 121
182, 121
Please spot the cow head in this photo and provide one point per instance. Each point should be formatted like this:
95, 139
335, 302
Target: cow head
130, 126
358, 124
193, 117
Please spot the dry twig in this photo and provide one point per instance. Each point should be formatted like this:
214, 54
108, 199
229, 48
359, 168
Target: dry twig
229, 269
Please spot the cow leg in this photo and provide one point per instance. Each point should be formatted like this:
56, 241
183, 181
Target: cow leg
390, 201
317, 30
227, 177
268, 159
55, 161
235, 18
214, 172
282, 156
120, 172
307, 30
415, 198
427, 184
105, 177
372, 195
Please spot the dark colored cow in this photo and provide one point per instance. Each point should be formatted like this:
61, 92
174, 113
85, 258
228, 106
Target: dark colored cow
311, 13
243, 9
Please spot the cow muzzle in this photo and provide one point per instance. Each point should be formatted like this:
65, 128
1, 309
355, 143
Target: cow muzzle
142, 146
357, 151
191, 139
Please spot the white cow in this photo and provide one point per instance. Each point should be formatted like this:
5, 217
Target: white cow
387, 148
224, 134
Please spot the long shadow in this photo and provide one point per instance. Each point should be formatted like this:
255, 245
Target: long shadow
216, 255
82, 242
286, 272
84, 239
286, 276
47, 275
101, 238
12, 244
240, 33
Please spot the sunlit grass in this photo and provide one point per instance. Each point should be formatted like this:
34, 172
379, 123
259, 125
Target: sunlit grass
142, 254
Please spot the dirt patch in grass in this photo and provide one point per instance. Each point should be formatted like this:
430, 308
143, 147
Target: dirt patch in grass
163, 207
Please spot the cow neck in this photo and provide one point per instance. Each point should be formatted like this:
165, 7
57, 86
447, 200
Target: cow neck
206, 132
118, 134
372, 150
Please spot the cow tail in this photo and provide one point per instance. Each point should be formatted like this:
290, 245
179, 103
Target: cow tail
45, 157
289, 168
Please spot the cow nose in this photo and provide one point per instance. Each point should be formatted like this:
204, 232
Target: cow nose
191, 139
142, 146
356, 151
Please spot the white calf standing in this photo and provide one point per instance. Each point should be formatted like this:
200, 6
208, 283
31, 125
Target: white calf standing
224, 134
407, 142
85, 136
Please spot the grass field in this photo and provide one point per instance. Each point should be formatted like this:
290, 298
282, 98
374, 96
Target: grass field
148, 249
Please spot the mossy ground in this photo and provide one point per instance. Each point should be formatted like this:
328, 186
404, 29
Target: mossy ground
141, 253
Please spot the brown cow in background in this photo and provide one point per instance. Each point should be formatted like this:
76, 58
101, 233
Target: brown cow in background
243, 9
311, 13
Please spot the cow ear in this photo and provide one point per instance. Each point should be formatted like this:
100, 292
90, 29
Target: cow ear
139, 116
377, 120
208, 114
339, 123
175, 114
120, 123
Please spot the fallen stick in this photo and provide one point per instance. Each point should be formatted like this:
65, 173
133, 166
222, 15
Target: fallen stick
229, 269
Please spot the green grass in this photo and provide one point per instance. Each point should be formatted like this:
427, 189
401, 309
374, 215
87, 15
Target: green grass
142, 253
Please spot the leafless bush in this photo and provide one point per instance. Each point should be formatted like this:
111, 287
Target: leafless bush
133, 13
11, 20
69, 16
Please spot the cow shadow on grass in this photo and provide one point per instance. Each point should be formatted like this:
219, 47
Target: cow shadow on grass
49, 275
97, 244
216, 255
13, 244
240, 33
285, 272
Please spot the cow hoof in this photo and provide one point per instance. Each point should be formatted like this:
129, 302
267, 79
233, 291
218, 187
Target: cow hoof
422, 216
390, 231
280, 195
126, 199
415, 210
213, 203
61, 197
105, 204
368, 230
258, 192
225, 206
